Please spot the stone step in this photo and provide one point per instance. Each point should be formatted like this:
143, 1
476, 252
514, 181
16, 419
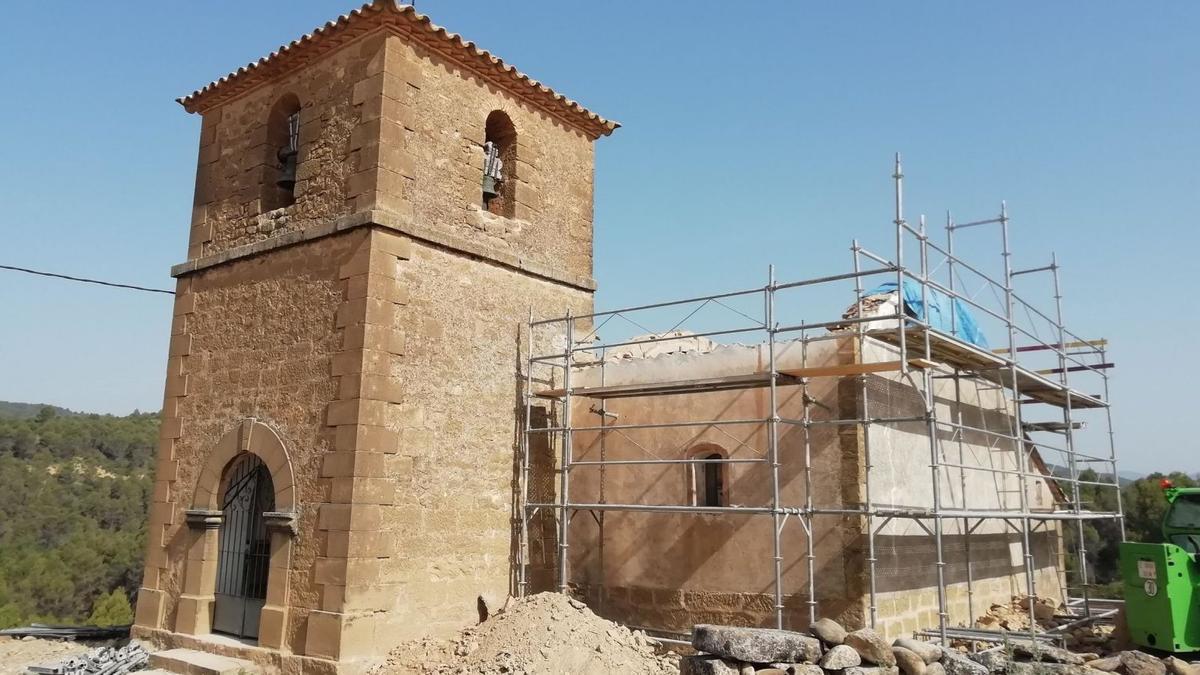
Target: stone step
193, 662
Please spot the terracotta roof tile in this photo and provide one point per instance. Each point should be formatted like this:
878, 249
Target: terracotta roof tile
417, 26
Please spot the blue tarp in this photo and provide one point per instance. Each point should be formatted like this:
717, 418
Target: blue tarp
938, 316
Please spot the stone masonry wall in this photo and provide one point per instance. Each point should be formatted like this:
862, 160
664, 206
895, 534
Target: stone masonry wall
227, 210
444, 135
253, 339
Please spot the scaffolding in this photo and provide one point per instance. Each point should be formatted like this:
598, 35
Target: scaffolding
924, 353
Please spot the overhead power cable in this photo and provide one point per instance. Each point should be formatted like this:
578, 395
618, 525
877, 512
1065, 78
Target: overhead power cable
86, 281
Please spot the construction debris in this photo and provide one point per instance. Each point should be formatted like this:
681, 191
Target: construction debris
99, 661
45, 632
543, 633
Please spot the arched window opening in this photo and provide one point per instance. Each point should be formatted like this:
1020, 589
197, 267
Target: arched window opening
708, 485
499, 165
283, 151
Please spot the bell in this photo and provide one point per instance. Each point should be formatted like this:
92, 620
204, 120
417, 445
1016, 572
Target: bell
490, 191
287, 174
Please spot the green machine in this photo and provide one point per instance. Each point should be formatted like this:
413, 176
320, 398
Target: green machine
1162, 581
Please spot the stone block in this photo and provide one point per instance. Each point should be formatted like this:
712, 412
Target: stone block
344, 464
756, 645
706, 664
193, 614
272, 623
364, 438
349, 517
323, 637
355, 490
149, 612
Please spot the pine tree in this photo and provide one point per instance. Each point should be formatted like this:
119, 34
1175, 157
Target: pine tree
111, 609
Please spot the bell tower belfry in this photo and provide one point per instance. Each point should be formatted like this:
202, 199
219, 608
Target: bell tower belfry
377, 206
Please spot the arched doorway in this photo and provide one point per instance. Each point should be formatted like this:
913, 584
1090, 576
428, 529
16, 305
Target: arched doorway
244, 547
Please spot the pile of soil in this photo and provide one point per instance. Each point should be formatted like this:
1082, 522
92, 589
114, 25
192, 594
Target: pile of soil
544, 633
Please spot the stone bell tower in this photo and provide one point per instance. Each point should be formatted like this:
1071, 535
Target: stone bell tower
336, 464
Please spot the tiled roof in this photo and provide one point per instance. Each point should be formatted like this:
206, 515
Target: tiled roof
414, 25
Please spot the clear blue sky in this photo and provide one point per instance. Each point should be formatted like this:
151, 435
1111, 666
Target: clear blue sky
754, 133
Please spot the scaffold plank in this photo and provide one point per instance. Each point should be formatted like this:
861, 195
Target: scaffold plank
988, 366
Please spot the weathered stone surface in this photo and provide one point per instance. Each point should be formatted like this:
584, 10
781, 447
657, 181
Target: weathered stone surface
798, 668
706, 664
956, 664
928, 651
872, 670
871, 647
908, 661
771, 671
746, 669
839, 657
756, 645
1178, 666
995, 660
1141, 663
1107, 664
828, 631
1043, 652
935, 668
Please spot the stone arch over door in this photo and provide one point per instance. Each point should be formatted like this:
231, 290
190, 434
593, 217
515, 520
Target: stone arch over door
204, 519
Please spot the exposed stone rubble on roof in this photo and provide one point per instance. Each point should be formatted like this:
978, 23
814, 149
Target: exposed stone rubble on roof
405, 20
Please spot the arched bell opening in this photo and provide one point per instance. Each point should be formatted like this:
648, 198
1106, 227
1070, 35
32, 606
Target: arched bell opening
244, 547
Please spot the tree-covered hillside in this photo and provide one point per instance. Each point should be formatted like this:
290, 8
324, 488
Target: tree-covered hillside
1144, 506
74, 491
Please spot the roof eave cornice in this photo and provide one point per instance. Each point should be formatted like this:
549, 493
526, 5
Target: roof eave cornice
401, 20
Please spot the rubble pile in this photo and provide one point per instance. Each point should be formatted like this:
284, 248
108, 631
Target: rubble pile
1023, 657
827, 647
543, 633
1050, 615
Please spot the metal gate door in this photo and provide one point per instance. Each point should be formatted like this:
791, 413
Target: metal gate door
244, 548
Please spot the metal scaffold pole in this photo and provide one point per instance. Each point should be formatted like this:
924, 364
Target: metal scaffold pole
773, 446
523, 508
864, 413
564, 512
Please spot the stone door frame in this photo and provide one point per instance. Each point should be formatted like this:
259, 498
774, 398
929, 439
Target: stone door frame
204, 519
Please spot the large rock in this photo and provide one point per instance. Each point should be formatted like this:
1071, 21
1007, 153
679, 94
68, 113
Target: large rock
871, 647
1044, 652
798, 668
829, 631
935, 668
957, 664
756, 645
1181, 667
909, 662
706, 664
1107, 664
928, 651
1048, 668
995, 660
1141, 663
872, 670
839, 657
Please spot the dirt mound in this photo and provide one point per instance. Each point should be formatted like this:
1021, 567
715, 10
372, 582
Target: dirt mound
544, 633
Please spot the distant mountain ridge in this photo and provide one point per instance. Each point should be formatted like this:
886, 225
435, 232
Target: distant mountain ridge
15, 410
